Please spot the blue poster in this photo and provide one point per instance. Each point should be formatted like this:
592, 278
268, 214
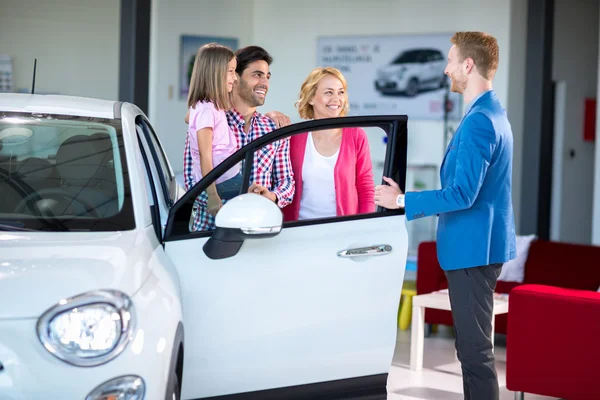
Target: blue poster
189, 47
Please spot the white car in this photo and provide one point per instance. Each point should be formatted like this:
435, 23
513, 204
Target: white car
412, 71
106, 294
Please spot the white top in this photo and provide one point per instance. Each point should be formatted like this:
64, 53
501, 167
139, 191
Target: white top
318, 186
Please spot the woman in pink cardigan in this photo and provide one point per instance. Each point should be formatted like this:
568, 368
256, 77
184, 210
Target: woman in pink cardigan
332, 168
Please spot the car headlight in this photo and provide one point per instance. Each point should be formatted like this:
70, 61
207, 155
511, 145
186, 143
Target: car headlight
89, 329
129, 387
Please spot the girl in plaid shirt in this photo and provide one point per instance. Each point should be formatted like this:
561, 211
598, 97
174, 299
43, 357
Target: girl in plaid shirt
209, 137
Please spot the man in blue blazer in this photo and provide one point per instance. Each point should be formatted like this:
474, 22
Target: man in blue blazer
476, 232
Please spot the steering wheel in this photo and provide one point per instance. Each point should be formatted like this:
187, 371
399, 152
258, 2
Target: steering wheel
32, 199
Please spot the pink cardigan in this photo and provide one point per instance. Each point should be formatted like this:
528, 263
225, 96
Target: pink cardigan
353, 174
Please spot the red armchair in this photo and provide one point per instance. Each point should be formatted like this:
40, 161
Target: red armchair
550, 263
552, 349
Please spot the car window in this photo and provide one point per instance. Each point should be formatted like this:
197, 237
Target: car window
63, 173
387, 142
410, 56
432, 56
305, 187
167, 178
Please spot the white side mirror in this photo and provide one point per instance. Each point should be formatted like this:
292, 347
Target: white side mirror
252, 214
248, 216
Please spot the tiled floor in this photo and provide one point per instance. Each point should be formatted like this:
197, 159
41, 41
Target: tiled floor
440, 378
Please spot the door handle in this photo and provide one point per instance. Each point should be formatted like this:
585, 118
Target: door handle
375, 250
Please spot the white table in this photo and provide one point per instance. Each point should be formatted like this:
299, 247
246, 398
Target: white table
440, 301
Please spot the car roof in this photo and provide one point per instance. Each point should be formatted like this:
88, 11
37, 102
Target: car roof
61, 105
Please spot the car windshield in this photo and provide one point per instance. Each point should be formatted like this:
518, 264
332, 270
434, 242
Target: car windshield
63, 173
407, 57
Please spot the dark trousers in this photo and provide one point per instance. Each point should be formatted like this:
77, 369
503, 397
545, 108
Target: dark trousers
472, 300
230, 188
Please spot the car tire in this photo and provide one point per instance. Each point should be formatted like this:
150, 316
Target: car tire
412, 89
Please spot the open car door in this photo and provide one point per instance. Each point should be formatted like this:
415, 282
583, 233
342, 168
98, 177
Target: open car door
301, 308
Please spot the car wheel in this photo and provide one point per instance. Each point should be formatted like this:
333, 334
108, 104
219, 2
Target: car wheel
412, 89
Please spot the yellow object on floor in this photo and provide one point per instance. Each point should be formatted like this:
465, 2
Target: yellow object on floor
404, 316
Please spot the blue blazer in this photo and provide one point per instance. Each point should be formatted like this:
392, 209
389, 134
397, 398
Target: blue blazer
476, 224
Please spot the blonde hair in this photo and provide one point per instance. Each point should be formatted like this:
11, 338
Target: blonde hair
209, 76
481, 47
309, 88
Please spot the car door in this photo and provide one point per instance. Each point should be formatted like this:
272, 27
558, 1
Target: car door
300, 303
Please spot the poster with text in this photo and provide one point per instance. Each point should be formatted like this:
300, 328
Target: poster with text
400, 74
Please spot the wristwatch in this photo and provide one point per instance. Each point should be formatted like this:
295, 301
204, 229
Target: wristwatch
400, 201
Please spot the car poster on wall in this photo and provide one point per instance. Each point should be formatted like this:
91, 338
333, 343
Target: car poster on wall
399, 74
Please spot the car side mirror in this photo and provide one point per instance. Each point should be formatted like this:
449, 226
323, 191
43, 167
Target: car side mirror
248, 216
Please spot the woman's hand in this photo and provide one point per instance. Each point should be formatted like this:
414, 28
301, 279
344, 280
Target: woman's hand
214, 204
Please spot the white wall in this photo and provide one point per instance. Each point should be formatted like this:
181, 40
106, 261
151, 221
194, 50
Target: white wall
170, 20
577, 67
76, 43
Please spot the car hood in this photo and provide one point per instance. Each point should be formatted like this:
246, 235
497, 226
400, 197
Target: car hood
37, 269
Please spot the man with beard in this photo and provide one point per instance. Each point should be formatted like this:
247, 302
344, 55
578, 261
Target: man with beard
271, 174
476, 232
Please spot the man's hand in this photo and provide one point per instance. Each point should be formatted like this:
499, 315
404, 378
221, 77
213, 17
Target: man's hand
263, 191
280, 119
386, 195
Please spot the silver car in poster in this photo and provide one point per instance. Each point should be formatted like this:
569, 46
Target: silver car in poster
411, 72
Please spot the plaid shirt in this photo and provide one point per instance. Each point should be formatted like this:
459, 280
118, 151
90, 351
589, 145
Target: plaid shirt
271, 168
